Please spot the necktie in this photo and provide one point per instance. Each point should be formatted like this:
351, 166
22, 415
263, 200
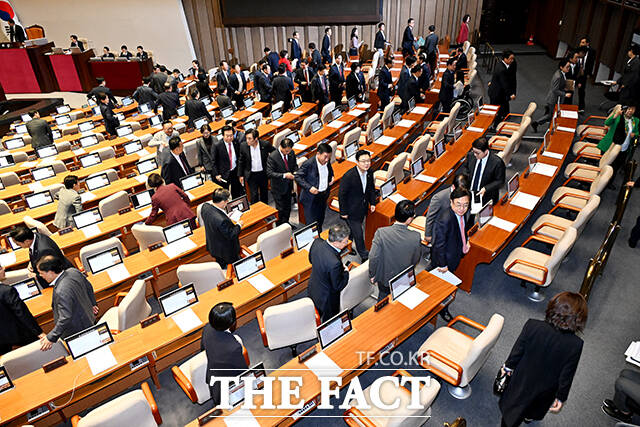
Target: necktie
230, 156
306, 75
184, 165
286, 164
322, 82
465, 244
477, 177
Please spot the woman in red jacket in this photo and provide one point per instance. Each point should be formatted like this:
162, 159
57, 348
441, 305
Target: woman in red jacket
463, 35
172, 200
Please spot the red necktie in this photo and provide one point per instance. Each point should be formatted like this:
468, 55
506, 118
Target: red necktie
184, 165
230, 157
306, 75
465, 244
286, 164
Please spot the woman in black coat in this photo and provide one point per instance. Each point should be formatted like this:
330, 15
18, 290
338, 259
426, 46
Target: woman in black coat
543, 361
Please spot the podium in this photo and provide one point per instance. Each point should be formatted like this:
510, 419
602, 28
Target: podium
27, 70
72, 71
122, 77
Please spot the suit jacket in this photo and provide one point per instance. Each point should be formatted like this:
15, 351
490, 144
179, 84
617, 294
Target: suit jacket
393, 249
142, 55
263, 86
203, 88
220, 155
173, 202
499, 88
431, 43
169, 102
224, 357
380, 40
308, 176
407, 39
111, 122
296, 51
355, 202
157, 81
412, 91
273, 59
221, 233
630, 79
78, 44
590, 60
423, 80
446, 88
17, 34
355, 86
234, 82
281, 91
18, 325
299, 78
440, 202
319, 94
224, 80
328, 278
557, 88
144, 94
244, 162
40, 133
161, 141
93, 94
72, 304
68, 204
336, 79
194, 109
384, 80
544, 360
276, 170
316, 59
493, 176
446, 243
326, 48
172, 171
205, 159
44, 245
403, 79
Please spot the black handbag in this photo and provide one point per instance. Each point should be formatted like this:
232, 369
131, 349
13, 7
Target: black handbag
501, 381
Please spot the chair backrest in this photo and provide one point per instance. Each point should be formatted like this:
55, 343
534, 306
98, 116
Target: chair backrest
134, 306
325, 115
509, 148
441, 129
4, 208
29, 358
20, 156
144, 139
452, 116
101, 246
191, 152
472, 76
586, 213
406, 415
63, 146
68, 130
352, 135
59, 166
274, 241
559, 251
480, 348
306, 124
255, 117
278, 105
106, 153
128, 409
396, 167
34, 31
15, 276
530, 110
419, 150
290, 323
134, 125
34, 223
279, 137
204, 275
601, 180
358, 288
112, 174
373, 122
195, 369
610, 155
387, 114
147, 235
53, 188
9, 178
112, 204
334, 148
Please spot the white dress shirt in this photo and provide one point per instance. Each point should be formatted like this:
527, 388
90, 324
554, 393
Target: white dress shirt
323, 175
256, 159
363, 180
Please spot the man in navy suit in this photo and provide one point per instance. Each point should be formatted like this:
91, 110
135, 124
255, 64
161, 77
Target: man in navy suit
225, 158
272, 58
446, 88
408, 38
176, 165
336, 80
303, 77
221, 233
412, 89
405, 75
485, 169
381, 40
450, 241
424, 80
385, 83
296, 51
262, 83
315, 178
326, 46
320, 87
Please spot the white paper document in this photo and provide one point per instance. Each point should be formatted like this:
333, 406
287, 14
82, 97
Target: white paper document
524, 200
276, 123
385, 140
78, 151
141, 178
502, 223
364, 105
144, 213
296, 112
336, 124
87, 196
356, 113
178, 247
435, 90
447, 276
475, 129
323, 366
100, 360
544, 169
565, 129
488, 112
412, 297
91, 230
35, 186
7, 259
298, 146
261, 283
142, 153
186, 320
404, 123
189, 195
569, 114
552, 155
397, 198
179, 120
235, 215
241, 418
426, 178
29, 164
420, 110
118, 273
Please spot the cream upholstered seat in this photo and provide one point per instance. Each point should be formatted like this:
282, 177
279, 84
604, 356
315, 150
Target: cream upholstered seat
147, 235
112, 204
106, 153
58, 166
507, 127
334, 150
20, 156
96, 248
53, 188
4, 208
418, 224
130, 311
136, 408
277, 105
273, 242
358, 288
288, 324
112, 174
34, 223
536, 267
29, 358
402, 415
456, 357
498, 142
325, 114
387, 115
373, 122
191, 152
9, 178
396, 170
352, 136
591, 131
584, 172
419, 150
450, 118
553, 226
509, 148
199, 211
279, 137
577, 199
204, 275
586, 149
306, 124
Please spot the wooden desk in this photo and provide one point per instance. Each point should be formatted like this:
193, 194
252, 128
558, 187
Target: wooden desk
27, 70
122, 77
72, 71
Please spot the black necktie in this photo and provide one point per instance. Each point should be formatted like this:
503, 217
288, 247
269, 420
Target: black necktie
477, 176
184, 164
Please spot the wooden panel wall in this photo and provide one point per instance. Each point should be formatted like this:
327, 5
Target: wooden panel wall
213, 41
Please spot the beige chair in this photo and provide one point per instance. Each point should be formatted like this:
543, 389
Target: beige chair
387, 115
95, 248
498, 141
358, 288
9, 179
136, 408
204, 275
58, 166
587, 173
277, 105
535, 267
30, 358
129, 311
112, 204
509, 148
4, 208
465, 47
334, 150
255, 117
53, 188
507, 127
352, 136
419, 149
112, 174
306, 124
191, 152
553, 226
147, 235
396, 169
34, 223
590, 131
273, 242
584, 149
20, 156
451, 116
288, 324
576, 199
472, 76
134, 125
325, 115
106, 153
373, 122
457, 357
63, 146
279, 137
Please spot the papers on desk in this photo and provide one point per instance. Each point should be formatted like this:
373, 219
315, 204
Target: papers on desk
490, 107
442, 70
189, 195
356, 113
276, 123
186, 320
364, 105
524, 200
569, 114
488, 112
296, 112
397, 61
385, 140
412, 297
142, 179
261, 283
7, 259
87, 196
235, 215
552, 155
144, 213
298, 146
100, 360
78, 151
322, 366
29, 164
443, 55
420, 110
447, 276
241, 418
178, 247
91, 230
336, 124
544, 169
142, 152
157, 127
396, 198
435, 90
426, 178
35, 186
118, 273
404, 123
475, 129
633, 353
508, 226
565, 129
179, 120
252, 109
395, 69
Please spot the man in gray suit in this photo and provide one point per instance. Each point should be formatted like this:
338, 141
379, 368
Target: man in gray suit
558, 90
69, 202
441, 201
161, 141
39, 131
394, 248
73, 303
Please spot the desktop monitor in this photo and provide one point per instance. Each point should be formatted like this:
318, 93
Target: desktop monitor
470, 118
21, 128
513, 185
27, 289
56, 134
457, 133
226, 112
63, 119
124, 130
334, 329
400, 283
198, 123
89, 340
47, 151
12, 143
44, 172
206, 100
532, 159
305, 236
86, 218
127, 100
248, 102
412, 103
180, 77
181, 110
177, 231
155, 120
297, 102
294, 136
6, 160
316, 125
376, 133
485, 214
96, 110
86, 126
133, 147
61, 109
144, 108
351, 149
90, 159
276, 114
417, 167
248, 266
88, 141
39, 199
141, 199
240, 203
351, 102
5, 381
388, 188
336, 114
396, 117
103, 260
192, 181
249, 125
97, 181
439, 148
236, 389
145, 166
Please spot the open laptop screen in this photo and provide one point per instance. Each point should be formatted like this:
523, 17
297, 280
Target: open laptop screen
177, 231
141, 199
86, 218
334, 329
192, 181
388, 188
39, 199
248, 266
304, 236
104, 260
27, 289
97, 181
513, 185
402, 282
174, 301
88, 340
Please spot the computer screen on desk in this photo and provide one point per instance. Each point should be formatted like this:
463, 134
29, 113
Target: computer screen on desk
63, 119
124, 130
396, 117
485, 214
376, 133
351, 149
144, 108
334, 329
276, 114
351, 102
103, 260
97, 181
47, 151
206, 100
304, 236
90, 160
192, 181
198, 123
126, 101
86, 126
239, 203
439, 148
336, 113
5, 381
388, 188
145, 166
86, 218
316, 125
155, 120
27, 289
133, 147
56, 134
177, 231
417, 167
88, 141
226, 112
248, 102
39, 199
174, 301
89, 340
44, 172
513, 185
61, 109
402, 282
181, 110
294, 136
141, 199
248, 266
297, 102
12, 143
22, 128
249, 125
412, 103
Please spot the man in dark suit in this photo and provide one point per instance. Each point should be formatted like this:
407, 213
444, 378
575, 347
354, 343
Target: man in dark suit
441, 202
449, 242
38, 244
225, 162
202, 85
252, 166
281, 165
73, 302
296, 51
315, 178
336, 81
385, 83
222, 234
159, 78
262, 83
446, 87
355, 84
101, 88
223, 99
557, 90
320, 87
282, 86
271, 58
326, 46
223, 78
424, 82
581, 80
486, 170
303, 77
170, 101
587, 62
316, 57
16, 32
412, 89
223, 348
328, 276
630, 80
141, 53
431, 48
380, 41
194, 109
573, 76
500, 89
144, 94
405, 75
39, 130
408, 39
18, 325
357, 196
238, 84
111, 122
106, 53
176, 166
76, 43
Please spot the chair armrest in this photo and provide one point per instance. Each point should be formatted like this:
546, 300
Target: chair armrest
245, 354
331, 204
575, 178
587, 156
75, 420
577, 196
550, 225
263, 330
78, 264
539, 238
245, 251
354, 417
125, 251
152, 402
585, 167
184, 383
563, 206
317, 317
593, 117
119, 297
450, 363
528, 264
467, 321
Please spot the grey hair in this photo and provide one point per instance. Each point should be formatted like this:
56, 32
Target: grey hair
338, 232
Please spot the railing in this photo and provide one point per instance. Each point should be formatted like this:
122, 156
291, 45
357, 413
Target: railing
489, 58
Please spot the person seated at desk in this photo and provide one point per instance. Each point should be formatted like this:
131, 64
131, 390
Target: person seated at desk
18, 324
222, 234
106, 53
315, 178
141, 54
144, 94
73, 302
16, 32
627, 391
282, 86
450, 241
161, 141
252, 166
486, 170
223, 99
176, 166
356, 85
124, 52
441, 202
69, 202
39, 130
238, 85
101, 88
38, 245
169, 100
223, 348
195, 69
76, 43
194, 109
171, 200
328, 276
111, 122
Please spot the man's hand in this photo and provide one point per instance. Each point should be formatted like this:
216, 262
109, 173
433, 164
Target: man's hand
373, 280
313, 190
240, 223
45, 344
556, 406
372, 208
332, 181
219, 177
568, 95
2, 275
344, 216
513, 97
96, 310
289, 175
482, 191
241, 178
443, 269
